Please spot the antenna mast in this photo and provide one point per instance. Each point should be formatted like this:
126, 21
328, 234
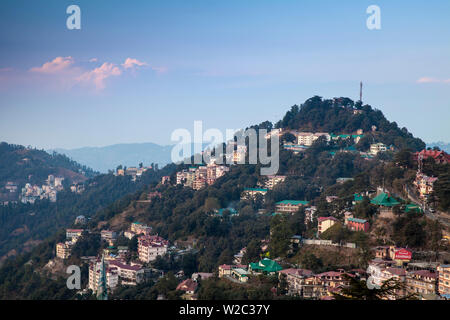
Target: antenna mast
360, 91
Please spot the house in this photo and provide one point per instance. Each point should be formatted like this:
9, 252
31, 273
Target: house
424, 184
226, 269
300, 282
139, 228
330, 199
444, 279
165, 179
333, 279
385, 202
324, 223
356, 224
74, 233
343, 180
266, 266
310, 214
439, 157
296, 148
273, 180
421, 282
289, 206
201, 275
188, 286
308, 138
108, 235
111, 274
240, 274
251, 193
375, 148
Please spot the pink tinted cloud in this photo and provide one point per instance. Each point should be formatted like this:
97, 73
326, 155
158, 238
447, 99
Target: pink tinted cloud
130, 63
57, 65
100, 74
432, 80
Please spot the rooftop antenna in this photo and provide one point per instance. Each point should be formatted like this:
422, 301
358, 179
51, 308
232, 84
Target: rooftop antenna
360, 91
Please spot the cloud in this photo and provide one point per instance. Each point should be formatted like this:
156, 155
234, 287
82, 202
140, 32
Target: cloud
100, 74
57, 65
432, 80
93, 60
130, 63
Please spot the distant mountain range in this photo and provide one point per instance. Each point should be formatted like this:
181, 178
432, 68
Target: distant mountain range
109, 157
441, 144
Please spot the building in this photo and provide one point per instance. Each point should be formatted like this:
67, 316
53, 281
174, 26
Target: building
201, 275
439, 157
324, 223
150, 247
308, 138
240, 274
108, 235
444, 279
385, 202
63, 250
289, 206
266, 266
139, 228
128, 274
300, 282
375, 148
273, 180
74, 234
310, 213
188, 286
226, 269
95, 274
165, 179
80, 220
251, 193
421, 282
424, 184
356, 224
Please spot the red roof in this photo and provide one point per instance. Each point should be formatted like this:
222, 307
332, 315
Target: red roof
424, 273
327, 218
187, 285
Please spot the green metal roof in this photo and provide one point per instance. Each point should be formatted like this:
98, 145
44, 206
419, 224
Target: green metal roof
357, 197
383, 199
413, 208
256, 189
294, 202
266, 265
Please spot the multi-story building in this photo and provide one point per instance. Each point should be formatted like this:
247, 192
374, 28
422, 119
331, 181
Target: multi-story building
251, 193
149, 247
128, 274
273, 180
139, 228
108, 235
63, 250
74, 233
324, 223
424, 184
356, 224
421, 282
111, 273
300, 281
289, 206
308, 138
444, 279
439, 156
375, 148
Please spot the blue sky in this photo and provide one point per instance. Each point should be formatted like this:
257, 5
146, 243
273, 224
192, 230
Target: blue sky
227, 63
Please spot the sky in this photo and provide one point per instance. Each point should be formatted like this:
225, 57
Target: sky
138, 70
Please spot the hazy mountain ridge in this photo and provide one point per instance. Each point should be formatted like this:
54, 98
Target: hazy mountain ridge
126, 154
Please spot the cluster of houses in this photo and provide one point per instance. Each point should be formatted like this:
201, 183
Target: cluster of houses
134, 172
31, 193
63, 249
201, 176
